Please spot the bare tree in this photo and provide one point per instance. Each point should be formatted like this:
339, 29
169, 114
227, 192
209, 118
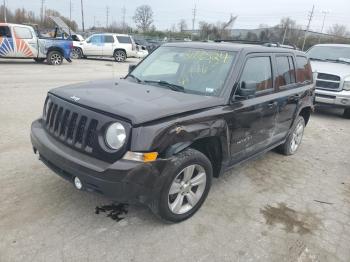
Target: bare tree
182, 25
143, 17
338, 30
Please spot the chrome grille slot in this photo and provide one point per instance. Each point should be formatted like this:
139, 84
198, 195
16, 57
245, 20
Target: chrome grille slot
327, 81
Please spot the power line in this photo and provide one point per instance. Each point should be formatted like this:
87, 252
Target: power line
311, 14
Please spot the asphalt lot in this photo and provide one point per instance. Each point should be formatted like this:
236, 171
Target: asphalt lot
275, 208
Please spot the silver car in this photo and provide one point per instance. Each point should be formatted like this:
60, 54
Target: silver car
331, 66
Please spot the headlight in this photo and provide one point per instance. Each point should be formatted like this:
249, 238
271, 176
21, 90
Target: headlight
115, 136
347, 84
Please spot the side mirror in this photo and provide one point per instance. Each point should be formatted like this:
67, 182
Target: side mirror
247, 89
131, 68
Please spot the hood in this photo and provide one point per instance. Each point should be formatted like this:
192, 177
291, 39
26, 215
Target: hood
339, 69
137, 102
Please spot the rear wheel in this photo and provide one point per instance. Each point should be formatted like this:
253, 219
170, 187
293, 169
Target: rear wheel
54, 58
186, 187
347, 113
291, 146
76, 53
119, 56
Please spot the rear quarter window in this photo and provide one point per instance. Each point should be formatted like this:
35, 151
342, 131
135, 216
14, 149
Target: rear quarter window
124, 39
22, 32
286, 71
5, 31
304, 72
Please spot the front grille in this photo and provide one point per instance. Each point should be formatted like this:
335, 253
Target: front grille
328, 77
70, 127
328, 85
81, 129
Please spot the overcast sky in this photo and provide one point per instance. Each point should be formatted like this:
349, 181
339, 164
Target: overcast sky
251, 13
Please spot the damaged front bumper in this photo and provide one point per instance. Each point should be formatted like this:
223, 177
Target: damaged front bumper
123, 181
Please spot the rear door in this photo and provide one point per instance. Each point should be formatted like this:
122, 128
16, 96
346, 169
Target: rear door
108, 45
252, 122
25, 41
286, 85
6, 42
93, 46
126, 43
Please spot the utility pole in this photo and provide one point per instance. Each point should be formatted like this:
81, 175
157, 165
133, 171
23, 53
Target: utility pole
94, 21
70, 10
107, 16
124, 14
324, 19
194, 12
42, 10
82, 15
285, 34
5, 11
311, 14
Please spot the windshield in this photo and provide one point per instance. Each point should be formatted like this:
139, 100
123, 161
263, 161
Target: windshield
329, 53
188, 70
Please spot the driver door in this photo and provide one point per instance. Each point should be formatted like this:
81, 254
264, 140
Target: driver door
253, 117
94, 46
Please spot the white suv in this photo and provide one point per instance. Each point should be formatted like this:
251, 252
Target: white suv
118, 46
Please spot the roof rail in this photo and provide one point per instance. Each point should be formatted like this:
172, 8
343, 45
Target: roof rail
264, 43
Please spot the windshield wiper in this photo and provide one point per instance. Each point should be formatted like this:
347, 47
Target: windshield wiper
339, 60
317, 59
172, 86
134, 77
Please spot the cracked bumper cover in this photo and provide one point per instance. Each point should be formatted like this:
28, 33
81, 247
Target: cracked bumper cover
124, 180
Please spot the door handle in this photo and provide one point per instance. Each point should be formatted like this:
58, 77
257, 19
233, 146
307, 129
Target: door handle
271, 104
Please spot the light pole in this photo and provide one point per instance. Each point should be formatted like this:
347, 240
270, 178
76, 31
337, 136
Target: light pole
324, 19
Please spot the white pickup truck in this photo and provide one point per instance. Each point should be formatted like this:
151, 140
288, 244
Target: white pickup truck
22, 41
119, 46
331, 65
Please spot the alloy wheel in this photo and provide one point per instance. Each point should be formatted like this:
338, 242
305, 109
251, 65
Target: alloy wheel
187, 189
297, 137
56, 59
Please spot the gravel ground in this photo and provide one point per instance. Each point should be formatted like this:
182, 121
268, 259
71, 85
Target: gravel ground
275, 208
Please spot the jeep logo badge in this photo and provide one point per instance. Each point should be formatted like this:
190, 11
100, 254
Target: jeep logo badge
76, 99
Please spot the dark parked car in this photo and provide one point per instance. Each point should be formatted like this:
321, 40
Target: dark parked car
185, 114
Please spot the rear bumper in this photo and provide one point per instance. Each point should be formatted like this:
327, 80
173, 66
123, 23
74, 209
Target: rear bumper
124, 181
341, 99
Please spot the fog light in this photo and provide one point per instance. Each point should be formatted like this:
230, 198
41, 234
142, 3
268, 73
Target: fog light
344, 101
77, 183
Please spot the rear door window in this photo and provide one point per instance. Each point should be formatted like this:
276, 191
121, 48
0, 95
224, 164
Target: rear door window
124, 39
286, 71
22, 32
257, 70
108, 39
304, 72
5, 31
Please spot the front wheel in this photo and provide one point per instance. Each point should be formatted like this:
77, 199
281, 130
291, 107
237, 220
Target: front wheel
346, 113
291, 146
119, 56
186, 187
76, 53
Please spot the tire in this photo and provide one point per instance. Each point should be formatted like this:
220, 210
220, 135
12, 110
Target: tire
39, 60
292, 144
198, 169
54, 58
76, 53
119, 56
346, 113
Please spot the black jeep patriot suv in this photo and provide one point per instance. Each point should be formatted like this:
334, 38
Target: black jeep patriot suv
185, 114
